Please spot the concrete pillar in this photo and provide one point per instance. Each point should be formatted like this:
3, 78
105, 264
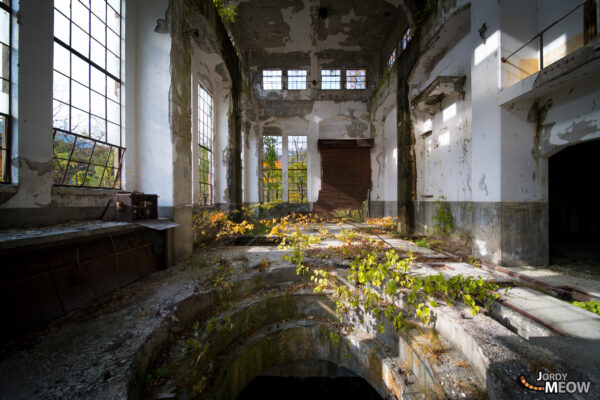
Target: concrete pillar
486, 130
32, 108
180, 119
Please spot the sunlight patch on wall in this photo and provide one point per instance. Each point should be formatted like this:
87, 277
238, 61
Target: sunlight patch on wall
486, 49
444, 138
449, 112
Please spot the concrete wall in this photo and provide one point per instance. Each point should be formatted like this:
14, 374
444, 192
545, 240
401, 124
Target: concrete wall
489, 161
157, 94
31, 199
296, 38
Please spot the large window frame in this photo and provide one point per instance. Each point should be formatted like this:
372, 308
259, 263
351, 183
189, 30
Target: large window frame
87, 101
297, 169
356, 79
206, 136
271, 166
331, 79
272, 79
6, 90
296, 79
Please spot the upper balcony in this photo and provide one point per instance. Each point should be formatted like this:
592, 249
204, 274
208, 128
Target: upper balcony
542, 33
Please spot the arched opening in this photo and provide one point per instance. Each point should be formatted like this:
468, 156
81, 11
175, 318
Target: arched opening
573, 205
308, 379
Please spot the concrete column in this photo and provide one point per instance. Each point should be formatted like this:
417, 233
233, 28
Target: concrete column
32, 109
486, 130
180, 119
314, 159
284, 168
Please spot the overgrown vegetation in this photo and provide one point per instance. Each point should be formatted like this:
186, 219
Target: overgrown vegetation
223, 227
592, 305
444, 222
227, 11
382, 283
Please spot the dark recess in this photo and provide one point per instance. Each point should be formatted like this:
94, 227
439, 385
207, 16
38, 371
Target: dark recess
323, 12
573, 202
291, 388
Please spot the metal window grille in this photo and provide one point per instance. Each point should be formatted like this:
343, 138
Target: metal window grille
272, 79
297, 79
87, 93
271, 168
5, 82
205, 146
356, 79
331, 79
297, 172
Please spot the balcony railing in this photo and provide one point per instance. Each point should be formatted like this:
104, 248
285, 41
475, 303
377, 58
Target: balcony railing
565, 36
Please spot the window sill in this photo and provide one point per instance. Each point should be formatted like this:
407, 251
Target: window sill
8, 188
84, 191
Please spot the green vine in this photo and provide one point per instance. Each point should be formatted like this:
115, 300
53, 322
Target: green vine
444, 222
592, 305
383, 284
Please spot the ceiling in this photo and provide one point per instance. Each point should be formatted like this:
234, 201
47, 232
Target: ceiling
282, 26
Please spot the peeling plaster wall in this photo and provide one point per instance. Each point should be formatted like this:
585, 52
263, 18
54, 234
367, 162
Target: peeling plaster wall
384, 155
209, 71
32, 200
571, 116
290, 35
153, 154
444, 157
325, 120
491, 159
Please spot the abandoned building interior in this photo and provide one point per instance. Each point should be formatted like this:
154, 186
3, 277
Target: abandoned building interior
299, 198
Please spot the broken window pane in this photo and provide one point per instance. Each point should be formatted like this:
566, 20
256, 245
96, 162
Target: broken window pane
331, 79
297, 79
272, 79
83, 150
356, 79
87, 93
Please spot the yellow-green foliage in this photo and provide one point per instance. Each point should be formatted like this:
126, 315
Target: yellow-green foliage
227, 13
385, 223
379, 282
592, 305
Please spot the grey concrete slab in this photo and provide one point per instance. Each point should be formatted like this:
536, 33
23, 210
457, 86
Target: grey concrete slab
562, 316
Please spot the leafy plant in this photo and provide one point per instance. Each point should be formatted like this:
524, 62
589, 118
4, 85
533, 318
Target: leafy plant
385, 223
474, 262
444, 222
383, 284
271, 168
227, 13
592, 305
423, 243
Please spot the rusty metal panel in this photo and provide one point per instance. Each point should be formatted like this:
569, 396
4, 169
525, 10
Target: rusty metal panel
34, 301
346, 177
41, 283
104, 275
74, 287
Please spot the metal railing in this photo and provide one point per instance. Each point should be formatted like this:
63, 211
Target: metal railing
540, 35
